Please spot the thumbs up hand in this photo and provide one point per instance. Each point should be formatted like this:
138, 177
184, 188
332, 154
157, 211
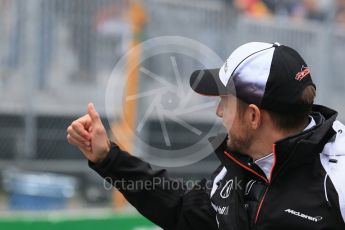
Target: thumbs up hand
89, 135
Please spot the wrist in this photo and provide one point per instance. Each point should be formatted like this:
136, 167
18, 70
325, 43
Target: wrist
103, 154
106, 152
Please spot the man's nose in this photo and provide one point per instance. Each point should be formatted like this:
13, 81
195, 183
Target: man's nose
219, 110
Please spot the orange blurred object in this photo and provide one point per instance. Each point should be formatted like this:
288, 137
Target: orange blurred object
125, 125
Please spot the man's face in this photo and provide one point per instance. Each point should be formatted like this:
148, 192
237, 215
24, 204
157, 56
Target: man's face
239, 132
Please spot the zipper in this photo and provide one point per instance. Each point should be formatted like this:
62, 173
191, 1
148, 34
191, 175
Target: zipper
268, 185
258, 175
260, 205
267, 181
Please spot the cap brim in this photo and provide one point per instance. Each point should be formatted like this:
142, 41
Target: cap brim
206, 82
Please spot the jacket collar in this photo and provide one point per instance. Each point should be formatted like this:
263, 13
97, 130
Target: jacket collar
304, 147
290, 152
235, 162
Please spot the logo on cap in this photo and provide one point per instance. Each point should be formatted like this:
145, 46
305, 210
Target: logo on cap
305, 71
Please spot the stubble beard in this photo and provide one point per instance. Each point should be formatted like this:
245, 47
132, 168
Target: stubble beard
240, 143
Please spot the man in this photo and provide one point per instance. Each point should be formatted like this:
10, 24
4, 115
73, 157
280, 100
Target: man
282, 165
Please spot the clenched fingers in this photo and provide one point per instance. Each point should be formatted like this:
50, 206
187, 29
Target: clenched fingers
85, 121
79, 129
78, 138
80, 144
77, 133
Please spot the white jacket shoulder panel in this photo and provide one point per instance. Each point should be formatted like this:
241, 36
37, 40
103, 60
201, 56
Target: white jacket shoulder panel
333, 161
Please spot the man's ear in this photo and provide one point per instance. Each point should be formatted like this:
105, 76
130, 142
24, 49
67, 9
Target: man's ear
254, 116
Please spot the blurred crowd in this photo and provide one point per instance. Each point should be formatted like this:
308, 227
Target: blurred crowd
340, 16
319, 10
91, 24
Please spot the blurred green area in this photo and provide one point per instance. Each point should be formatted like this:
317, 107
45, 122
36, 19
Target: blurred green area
122, 222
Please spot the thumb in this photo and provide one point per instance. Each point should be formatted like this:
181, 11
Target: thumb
93, 113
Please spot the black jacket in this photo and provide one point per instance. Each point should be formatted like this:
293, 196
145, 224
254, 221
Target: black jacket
306, 188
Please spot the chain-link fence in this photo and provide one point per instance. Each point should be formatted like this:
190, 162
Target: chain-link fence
57, 55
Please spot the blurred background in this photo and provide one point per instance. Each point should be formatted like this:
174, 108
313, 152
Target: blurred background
58, 55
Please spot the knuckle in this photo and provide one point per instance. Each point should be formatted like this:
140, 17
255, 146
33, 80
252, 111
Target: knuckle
75, 136
74, 124
99, 130
70, 140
